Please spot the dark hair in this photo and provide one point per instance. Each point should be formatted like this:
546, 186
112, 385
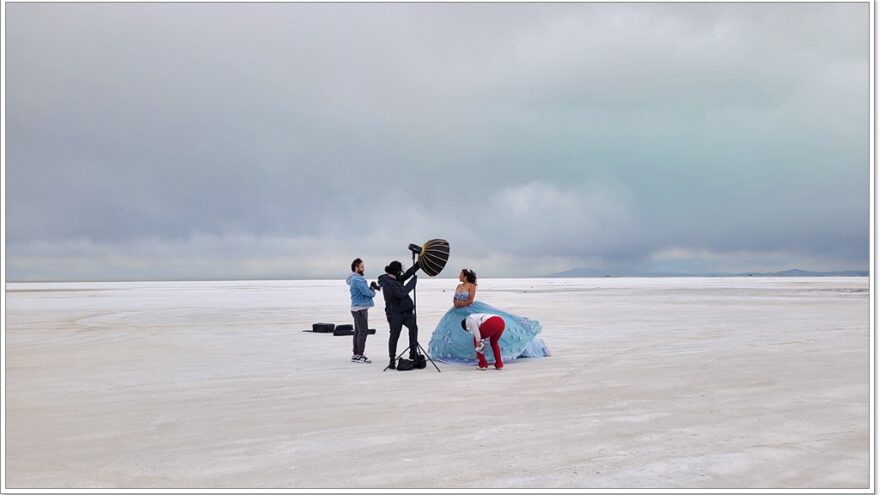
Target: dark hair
470, 275
464, 323
394, 267
355, 263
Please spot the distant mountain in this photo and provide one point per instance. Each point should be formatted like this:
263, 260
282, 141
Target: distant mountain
594, 273
579, 273
804, 273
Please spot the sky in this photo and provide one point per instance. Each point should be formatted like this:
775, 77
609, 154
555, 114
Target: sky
164, 141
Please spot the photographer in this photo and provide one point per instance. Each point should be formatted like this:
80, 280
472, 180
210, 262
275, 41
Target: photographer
399, 306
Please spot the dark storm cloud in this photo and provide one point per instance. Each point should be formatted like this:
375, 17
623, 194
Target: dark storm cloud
212, 140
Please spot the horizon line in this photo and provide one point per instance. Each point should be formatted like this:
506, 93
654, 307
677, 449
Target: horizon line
867, 273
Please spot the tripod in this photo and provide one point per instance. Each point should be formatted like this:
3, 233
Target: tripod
424, 352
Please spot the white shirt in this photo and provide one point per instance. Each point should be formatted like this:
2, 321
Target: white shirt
473, 322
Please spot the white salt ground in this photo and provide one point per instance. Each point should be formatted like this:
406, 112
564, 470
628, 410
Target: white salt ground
653, 383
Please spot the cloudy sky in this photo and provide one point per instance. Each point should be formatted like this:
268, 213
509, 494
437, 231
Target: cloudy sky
227, 141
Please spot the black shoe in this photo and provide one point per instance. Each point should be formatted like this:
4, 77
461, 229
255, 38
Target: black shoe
391, 365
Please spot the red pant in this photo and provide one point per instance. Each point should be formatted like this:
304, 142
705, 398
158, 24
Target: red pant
491, 329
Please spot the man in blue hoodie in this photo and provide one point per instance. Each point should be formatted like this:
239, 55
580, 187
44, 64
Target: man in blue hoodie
361, 300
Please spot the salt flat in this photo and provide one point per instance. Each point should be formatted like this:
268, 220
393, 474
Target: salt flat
653, 383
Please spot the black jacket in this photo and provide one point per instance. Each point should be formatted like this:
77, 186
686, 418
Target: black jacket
396, 294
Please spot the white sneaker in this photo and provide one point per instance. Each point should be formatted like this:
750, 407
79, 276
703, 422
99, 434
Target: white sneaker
363, 360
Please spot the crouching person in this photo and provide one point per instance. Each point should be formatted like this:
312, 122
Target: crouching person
485, 326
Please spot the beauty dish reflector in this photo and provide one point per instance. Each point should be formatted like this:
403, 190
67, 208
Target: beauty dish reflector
434, 255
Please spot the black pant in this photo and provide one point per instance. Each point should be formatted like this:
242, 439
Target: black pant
359, 341
397, 321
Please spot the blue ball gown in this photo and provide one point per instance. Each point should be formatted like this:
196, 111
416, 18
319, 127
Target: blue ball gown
450, 344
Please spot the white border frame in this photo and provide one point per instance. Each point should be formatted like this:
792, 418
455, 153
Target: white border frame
4, 489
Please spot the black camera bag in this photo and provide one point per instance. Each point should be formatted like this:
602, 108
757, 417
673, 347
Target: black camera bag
420, 362
404, 364
323, 327
343, 330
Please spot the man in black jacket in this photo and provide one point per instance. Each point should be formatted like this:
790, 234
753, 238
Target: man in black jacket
399, 306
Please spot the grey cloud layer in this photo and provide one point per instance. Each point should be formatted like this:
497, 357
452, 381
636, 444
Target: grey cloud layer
531, 135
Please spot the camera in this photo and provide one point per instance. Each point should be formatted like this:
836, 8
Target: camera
375, 286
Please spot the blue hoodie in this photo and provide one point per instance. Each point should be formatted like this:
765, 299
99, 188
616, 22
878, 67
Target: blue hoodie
361, 294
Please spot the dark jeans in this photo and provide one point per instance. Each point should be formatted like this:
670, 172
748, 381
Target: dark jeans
397, 321
359, 341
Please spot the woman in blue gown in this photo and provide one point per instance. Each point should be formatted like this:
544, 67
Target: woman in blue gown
452, 345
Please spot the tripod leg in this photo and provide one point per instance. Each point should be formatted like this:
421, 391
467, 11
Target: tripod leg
429, 357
